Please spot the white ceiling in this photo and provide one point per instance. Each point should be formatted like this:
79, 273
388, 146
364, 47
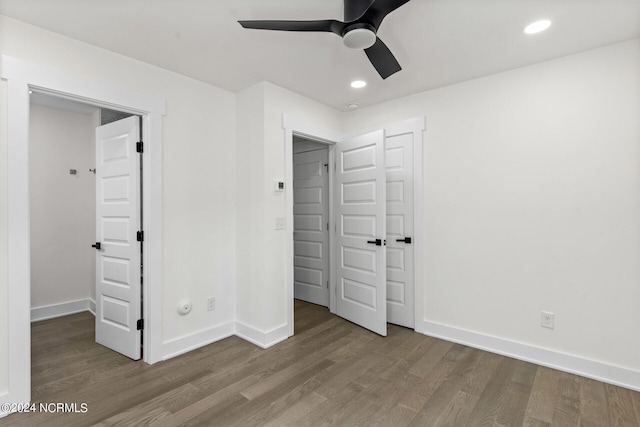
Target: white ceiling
437, 42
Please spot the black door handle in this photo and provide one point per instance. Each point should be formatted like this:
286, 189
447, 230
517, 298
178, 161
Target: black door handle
377, 242
404, 240
97, 246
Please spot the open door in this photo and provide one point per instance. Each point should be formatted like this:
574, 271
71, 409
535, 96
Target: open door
361, 294
118, 270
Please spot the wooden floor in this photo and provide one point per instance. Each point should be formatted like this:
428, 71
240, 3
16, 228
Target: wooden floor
330, 373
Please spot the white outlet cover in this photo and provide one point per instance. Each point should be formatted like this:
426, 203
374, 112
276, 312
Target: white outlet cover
547, 320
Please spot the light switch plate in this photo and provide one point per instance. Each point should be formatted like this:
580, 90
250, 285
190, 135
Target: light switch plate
280, 223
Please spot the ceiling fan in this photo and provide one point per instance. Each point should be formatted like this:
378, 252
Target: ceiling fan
362, 20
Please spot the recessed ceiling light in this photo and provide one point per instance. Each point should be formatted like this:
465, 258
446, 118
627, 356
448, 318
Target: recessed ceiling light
357, 84
538, 26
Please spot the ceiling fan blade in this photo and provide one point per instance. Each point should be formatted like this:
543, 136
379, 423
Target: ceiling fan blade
382, 59
327, 25
379, 9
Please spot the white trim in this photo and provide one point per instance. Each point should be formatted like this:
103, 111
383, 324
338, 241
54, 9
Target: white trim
62, 309
153, 296
264, 339
78, 88
178, 346
21, 76
577, 365
18, 251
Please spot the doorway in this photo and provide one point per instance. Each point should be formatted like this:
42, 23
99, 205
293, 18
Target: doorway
85, 216
21, 77
402, 179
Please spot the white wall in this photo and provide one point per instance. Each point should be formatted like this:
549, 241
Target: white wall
250, 240
261, 290
532, 202
198, 177
62, 206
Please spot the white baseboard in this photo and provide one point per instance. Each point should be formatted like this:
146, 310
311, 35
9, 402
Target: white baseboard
264, 339
62, 309
615, 375
207, 336
195, 340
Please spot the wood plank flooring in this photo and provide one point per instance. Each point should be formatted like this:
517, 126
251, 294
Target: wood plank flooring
330, 373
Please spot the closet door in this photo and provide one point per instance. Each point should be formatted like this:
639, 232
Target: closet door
118, 272
400, 235
360, 231
310, 226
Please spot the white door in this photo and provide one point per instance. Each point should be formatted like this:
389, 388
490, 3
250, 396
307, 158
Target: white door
310, 226
118, 284
400, 283
360, 232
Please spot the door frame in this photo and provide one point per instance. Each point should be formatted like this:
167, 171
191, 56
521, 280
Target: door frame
22, 77
318, 133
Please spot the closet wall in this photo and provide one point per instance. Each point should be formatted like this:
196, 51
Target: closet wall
62, 206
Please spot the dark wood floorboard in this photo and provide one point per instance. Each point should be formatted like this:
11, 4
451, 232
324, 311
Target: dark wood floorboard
331, 372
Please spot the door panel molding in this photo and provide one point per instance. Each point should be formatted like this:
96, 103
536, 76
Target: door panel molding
311, 234
118, 284
361, 273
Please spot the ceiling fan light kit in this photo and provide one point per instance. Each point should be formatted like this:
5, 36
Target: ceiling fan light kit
359, 31
359, 38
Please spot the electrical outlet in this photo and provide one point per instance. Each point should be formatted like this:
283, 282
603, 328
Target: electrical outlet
547, 319
211, 304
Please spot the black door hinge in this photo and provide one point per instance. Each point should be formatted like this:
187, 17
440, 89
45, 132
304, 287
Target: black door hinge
140, 236
139, 147
140, 324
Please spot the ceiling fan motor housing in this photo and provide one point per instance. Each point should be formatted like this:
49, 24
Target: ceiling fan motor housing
359, 36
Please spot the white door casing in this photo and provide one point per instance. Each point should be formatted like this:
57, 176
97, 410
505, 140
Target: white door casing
311, 220
400, 209
360, 221
118, 275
